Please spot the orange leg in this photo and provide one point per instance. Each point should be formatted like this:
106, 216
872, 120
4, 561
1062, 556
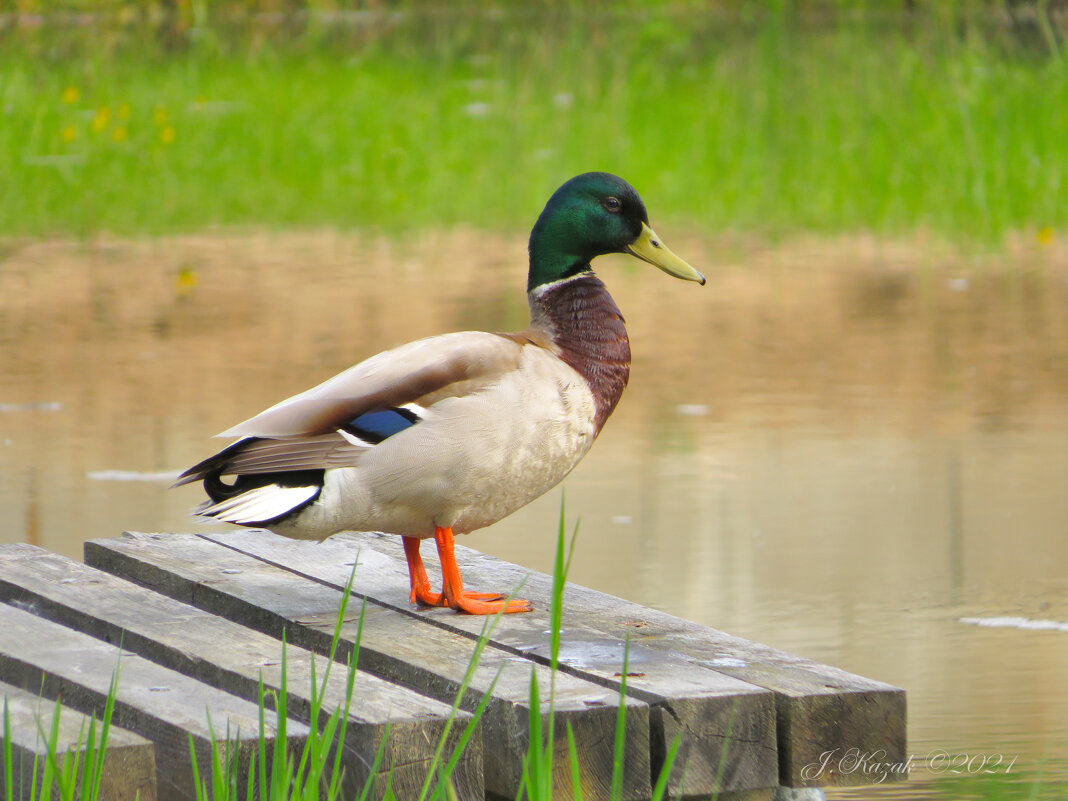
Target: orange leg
455, 596
421, 591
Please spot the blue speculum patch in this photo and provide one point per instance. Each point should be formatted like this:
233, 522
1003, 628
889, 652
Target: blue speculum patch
377, 426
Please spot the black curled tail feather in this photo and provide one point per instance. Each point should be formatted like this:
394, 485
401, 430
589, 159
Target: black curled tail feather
252, 498
219, 490
212, 469
216, 464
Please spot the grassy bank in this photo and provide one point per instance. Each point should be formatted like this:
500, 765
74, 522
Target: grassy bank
884, 123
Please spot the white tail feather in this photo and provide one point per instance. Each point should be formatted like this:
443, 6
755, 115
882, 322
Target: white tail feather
259, 505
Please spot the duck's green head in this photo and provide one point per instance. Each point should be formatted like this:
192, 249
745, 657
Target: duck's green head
593, 214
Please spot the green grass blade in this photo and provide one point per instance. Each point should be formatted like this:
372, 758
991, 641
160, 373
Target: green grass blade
261, 741
533, 764
97, 752
488, 626
380, 754
350, 682
336, 772
198, 785
576, 777
253, 774
726, 745
9, 767
52, 768
537, 776
87, 756
619, 748
281, 766
660, 789
218, 785
471, 726
556, 609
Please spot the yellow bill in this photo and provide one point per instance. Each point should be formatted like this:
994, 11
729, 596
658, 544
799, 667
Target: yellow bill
648, 247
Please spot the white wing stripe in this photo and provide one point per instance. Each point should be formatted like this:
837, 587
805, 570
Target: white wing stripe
359, 443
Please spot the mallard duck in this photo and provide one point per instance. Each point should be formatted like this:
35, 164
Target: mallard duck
452, 433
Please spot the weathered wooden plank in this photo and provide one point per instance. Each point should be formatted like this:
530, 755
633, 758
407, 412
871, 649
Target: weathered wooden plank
158, 703
187, 639
820, 709
726, 726
401, 647
701, 705
129, 769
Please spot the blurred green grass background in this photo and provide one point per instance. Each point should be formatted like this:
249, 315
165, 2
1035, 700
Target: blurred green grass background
754, 118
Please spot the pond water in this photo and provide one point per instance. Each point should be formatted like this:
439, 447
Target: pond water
852, 450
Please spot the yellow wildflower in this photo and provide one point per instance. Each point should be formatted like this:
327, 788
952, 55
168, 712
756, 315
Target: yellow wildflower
71, 95
100, 119
69, 134
185, 282
119, 134
1045, 236
124, 111
167, 135
159, 116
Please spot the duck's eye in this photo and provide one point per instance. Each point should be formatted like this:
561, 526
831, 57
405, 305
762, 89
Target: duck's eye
613, 204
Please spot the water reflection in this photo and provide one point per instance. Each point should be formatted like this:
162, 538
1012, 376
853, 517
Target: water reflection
837, 448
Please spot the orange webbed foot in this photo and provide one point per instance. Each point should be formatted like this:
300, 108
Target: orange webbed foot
426, 597
453, 594
474, 603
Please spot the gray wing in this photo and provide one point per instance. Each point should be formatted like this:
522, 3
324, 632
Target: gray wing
308, 431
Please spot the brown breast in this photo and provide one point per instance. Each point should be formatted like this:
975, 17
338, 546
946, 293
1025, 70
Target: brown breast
578, 319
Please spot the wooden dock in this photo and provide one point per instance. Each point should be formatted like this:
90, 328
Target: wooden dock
198, 620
